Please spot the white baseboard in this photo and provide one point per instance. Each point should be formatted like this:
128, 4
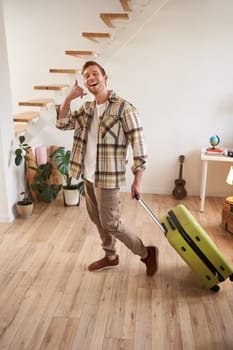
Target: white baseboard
7, 219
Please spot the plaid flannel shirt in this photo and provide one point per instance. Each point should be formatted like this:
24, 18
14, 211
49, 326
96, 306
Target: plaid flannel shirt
118, 127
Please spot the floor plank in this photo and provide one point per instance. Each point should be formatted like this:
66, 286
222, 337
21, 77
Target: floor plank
50, 301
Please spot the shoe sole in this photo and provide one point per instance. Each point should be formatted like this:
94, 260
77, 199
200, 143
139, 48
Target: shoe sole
105, 268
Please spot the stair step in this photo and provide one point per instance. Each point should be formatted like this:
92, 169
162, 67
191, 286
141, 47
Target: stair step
65, 71
97, 37
78, 53
52, 87
39, 102
20, 128
109, 17
125, 5
26, 117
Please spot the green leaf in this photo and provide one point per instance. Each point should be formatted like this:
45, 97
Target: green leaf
18, 159
46, 193
49, 193
62, 160
21, 139
18, 151
45, 170
81, 188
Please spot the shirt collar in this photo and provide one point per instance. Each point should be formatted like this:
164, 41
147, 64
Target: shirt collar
89, 107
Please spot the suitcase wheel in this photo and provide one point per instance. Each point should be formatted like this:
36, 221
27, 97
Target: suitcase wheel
231, 277
215, 288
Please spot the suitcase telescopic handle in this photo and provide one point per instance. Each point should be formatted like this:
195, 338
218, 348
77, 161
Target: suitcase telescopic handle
150, 212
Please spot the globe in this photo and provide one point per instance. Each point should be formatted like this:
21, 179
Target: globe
214, 140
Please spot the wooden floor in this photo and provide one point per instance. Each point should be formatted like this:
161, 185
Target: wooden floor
48, 299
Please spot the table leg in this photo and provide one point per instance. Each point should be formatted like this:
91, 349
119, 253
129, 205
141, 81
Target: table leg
203, 184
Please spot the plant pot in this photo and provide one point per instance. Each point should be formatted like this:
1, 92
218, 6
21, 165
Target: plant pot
71, 196
24, 209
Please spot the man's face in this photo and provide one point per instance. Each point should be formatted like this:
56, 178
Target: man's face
94, 80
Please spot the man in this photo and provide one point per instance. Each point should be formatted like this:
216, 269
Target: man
103, 130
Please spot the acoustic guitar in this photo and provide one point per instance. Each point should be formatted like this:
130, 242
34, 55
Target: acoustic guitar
179, 191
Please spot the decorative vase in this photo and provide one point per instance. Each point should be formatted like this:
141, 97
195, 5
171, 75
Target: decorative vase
41, 155
71, 197
24, 210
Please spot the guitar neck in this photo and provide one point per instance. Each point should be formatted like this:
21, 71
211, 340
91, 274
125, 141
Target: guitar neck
181, 171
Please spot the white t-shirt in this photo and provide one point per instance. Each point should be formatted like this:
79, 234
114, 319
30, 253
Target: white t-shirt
91, 148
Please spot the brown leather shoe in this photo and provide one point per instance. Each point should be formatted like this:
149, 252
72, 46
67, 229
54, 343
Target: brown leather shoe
151, 261
104, 264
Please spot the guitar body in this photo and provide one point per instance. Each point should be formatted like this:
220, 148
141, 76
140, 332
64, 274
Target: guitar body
179, 191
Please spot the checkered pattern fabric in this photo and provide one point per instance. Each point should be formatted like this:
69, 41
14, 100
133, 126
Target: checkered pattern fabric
118, 128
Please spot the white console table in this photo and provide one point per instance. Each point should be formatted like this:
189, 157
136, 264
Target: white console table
205, 159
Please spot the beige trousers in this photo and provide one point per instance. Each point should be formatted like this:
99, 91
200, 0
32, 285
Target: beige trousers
103, 209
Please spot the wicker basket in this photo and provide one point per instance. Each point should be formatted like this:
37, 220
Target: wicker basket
227, 214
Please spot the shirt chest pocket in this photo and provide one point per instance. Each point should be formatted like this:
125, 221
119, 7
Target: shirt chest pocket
111, 128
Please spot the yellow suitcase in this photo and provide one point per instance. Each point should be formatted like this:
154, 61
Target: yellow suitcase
194, 245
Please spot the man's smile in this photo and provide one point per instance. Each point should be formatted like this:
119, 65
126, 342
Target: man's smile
93, 84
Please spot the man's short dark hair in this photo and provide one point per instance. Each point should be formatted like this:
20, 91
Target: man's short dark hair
93, 63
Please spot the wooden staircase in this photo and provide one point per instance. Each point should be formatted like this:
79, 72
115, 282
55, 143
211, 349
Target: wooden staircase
51, 87
20, 128
81, 53
110, 20
39, 102
26, 117
125, 5
21, 120
64, 71
97, 37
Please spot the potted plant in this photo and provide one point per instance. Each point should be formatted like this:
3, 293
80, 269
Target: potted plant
41, 187
25, 204
46, 191
71, 191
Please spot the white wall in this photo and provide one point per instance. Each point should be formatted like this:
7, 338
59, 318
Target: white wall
179, 74
176, 68
7, 182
